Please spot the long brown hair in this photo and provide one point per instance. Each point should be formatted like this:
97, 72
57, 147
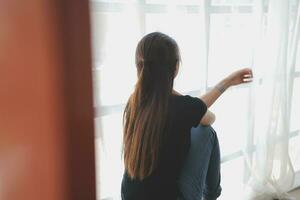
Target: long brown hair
145, 115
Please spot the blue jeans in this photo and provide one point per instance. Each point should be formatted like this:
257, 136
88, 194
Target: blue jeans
200, 176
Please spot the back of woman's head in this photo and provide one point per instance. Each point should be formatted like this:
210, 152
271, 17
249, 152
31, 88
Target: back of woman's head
157, 58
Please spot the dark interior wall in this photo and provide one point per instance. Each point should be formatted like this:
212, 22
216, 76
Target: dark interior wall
46, 112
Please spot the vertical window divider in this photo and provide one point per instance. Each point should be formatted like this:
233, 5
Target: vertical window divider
207, 12
142, 15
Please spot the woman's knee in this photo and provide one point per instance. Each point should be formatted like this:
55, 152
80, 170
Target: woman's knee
204, 132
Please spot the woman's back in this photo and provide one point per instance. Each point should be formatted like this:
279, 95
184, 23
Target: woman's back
183, 113
157, 129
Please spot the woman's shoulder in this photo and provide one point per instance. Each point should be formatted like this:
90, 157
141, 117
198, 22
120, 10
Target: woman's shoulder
180, 102
183, 98
187, 102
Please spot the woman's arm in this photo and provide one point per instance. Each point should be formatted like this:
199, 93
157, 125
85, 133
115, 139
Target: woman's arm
236, 78
212, 95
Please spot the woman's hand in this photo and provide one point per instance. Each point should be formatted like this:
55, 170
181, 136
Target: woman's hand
236, 78
240, 76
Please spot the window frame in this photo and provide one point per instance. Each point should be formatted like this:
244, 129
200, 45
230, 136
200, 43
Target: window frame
101, 6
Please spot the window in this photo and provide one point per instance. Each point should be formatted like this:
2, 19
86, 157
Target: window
230, 34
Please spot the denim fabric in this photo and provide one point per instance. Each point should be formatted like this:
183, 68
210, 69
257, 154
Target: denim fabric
200, 176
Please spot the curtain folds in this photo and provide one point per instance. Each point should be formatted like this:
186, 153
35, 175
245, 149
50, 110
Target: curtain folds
270, 173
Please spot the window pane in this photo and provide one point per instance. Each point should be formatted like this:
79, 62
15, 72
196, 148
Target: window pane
114, 1
295, 109
232, 174
113, 55
231, 2
231, 119
187, 30
231, 40
298, 58
174, 2
108, 153
294, 150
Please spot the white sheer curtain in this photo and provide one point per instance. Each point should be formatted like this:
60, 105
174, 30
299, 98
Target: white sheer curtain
256, 123
270, 172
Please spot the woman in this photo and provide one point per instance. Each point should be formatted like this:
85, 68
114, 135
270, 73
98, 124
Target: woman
164, 158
